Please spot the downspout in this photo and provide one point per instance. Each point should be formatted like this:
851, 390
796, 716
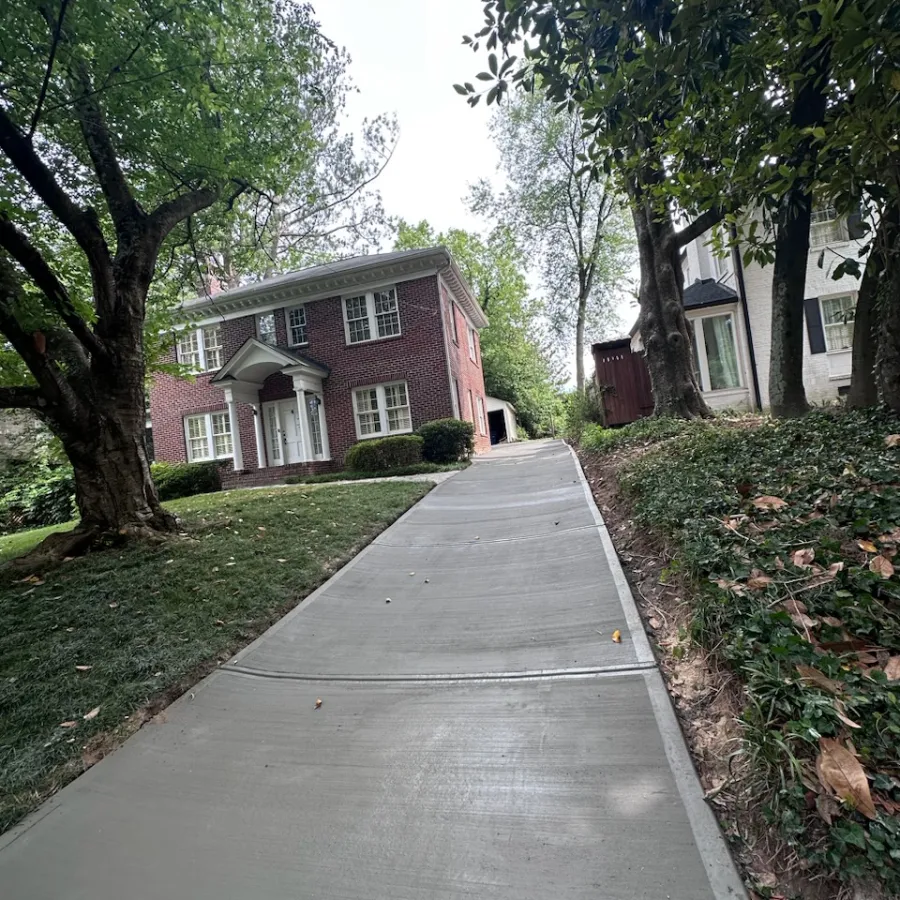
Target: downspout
446, 337
742, 293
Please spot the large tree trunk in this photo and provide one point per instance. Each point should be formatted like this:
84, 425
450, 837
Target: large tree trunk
787, 396
579, 343
888, 312
664, 329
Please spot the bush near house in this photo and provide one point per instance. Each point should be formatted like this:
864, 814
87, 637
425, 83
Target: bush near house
174, 480
790, 535
36, 495
383, 454
447, 440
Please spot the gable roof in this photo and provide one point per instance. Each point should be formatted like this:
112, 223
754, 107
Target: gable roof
707, 292
255, 361
338, 277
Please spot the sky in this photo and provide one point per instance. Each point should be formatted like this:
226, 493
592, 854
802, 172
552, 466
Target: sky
406, 56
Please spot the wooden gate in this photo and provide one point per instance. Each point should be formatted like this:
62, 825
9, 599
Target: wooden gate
624, 380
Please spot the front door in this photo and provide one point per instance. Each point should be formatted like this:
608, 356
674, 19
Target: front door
283, 439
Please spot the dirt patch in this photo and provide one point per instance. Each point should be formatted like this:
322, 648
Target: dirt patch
707, 697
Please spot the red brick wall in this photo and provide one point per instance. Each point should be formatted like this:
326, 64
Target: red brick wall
468, 374
415, 356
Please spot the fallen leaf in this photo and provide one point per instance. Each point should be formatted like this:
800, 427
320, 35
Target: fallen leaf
820, 679
882, 566
827, 808
83, 668
892, 669
282, 560
892, 440
769, 502
832, 621
31, 579
868, 546
113, 605
67, 724
795, 606
92, 714
732, 586
759, 582
412, 573
841, 772
617, 636
802, 559
655, 623
847, 721
318, 702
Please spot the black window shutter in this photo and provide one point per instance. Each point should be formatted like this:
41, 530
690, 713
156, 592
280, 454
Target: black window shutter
814, 325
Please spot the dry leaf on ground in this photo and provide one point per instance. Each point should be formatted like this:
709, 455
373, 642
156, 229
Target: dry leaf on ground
820, 679
83, 668
868, 546
892, 669
802, 559
892, 440
758, 581
840, 771
882, 566
318, 702
617, 636
827, 808
69, 724
769, 502
92, 714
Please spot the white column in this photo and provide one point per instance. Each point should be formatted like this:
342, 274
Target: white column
323, 424
303, 423
260, 435
238, 458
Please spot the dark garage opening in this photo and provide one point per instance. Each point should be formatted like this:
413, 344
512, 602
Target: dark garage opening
497, 426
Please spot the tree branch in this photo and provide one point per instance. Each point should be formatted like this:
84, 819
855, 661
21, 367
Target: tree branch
21, 397
167, 215
699, 226
57, 30
30, 259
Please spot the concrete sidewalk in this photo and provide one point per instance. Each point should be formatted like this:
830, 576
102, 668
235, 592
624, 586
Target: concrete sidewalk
477, 736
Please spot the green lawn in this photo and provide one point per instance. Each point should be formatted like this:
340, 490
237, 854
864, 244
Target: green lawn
13, 545
422, 468
148, 621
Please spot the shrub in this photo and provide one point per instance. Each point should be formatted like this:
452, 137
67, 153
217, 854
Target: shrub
582, 408
37, 495
175, 480
382, 454
447, 440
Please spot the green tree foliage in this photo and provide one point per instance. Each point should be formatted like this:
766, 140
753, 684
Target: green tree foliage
569, 219
121, 126
517, 356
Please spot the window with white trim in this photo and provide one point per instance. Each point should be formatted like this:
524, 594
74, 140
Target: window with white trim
265, 328
382, 409
453, 330
471, 333
472, 408
838, 314
208, 436
715, 353
481, 425
201, 349
371, 316
297, 326
825, 227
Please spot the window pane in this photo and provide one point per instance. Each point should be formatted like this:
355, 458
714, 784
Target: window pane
368, 415
266, 328
221, 428
386, 313
198, 442
212, 342
721, 353
357, 319
297, 325
189, 350
274, 436
838, 314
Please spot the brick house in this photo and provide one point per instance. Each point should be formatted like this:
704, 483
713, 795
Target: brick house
293, 370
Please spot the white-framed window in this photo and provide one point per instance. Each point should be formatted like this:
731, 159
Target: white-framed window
715, 353
457, 403
382, 409
265, 328
201, 349
838, 314
371, 316
825, 227
454, 333
297, 326
481, 423
472, 408
208, 436
471, 333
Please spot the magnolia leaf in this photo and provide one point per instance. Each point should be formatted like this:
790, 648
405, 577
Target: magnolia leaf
820, 679
768, 502
840, 771
802, 559
882, 566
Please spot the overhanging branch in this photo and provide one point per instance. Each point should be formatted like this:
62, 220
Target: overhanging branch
167, 215
699, 226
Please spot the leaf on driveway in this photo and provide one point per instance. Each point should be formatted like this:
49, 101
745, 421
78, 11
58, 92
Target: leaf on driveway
617, 636
92, 714
820, 679
840, 771
803, 559
318, 702
882, 566
769, 502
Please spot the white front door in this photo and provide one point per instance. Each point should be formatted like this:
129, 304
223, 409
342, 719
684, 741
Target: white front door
283, 440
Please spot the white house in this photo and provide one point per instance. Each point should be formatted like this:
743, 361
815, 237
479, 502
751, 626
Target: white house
730, 307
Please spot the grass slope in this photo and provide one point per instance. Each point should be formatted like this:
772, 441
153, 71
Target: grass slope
148, 621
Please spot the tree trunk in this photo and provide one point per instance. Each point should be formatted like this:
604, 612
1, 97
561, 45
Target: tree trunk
787, 396
579, 343
888, 314
664, 329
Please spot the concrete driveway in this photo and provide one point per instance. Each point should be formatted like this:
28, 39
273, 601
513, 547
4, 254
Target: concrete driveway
480, 736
